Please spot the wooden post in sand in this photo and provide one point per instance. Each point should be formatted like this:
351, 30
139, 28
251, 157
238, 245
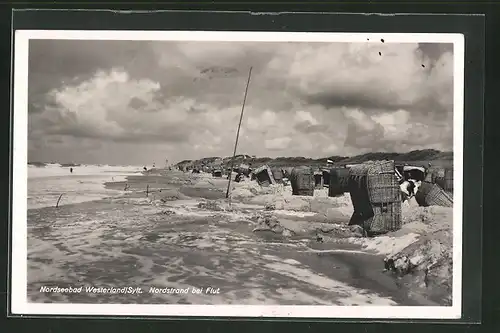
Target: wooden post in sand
147, 190
57, 204
238, 133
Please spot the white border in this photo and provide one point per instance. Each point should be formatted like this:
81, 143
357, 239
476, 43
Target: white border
19, 303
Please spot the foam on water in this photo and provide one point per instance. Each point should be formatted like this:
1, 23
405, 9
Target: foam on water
55, 170
85, 183
130, 241
345, 294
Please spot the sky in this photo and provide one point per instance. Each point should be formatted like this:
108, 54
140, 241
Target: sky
143, 102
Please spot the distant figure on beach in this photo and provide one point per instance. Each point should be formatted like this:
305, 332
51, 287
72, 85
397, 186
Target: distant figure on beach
145, 169
71, 170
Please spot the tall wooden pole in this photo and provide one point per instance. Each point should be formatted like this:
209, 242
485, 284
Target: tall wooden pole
238, 133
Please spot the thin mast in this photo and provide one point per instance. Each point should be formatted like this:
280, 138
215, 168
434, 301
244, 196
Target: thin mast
238, 133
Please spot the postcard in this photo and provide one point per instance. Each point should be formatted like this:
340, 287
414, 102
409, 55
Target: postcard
237, 174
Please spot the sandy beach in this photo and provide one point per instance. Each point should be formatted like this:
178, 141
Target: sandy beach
346, 171
171, 234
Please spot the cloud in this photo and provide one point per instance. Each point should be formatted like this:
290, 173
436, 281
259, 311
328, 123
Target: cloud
278, 143
393, 131
111, 106
366, 75
183, 99
306, 123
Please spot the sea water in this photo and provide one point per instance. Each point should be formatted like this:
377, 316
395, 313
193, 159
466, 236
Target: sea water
130, 242
86, 183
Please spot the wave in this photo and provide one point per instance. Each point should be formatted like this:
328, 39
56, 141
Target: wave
70, 165
42, 170
84, 183
44, 164
36, 164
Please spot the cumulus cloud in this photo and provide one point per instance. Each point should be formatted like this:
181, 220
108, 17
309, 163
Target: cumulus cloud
277, 143
126, 102
363, 75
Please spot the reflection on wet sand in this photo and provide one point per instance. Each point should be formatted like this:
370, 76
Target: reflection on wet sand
133, 241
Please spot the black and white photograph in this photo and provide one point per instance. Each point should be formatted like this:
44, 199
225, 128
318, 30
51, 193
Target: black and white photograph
237, 174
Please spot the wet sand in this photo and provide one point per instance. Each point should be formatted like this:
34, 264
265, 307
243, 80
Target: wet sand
177, 237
